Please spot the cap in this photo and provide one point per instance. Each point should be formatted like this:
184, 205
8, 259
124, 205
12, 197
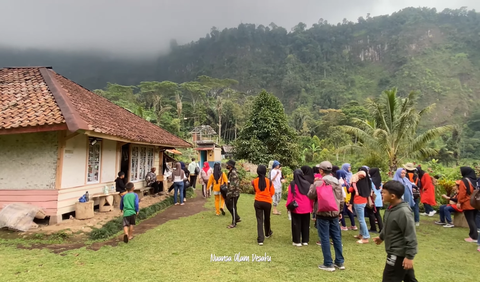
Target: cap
326, 165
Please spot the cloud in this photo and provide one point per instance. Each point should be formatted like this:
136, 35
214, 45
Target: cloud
145, 27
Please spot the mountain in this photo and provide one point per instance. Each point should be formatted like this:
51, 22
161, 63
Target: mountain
321, 67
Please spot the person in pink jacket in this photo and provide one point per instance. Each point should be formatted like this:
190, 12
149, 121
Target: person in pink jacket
297, 191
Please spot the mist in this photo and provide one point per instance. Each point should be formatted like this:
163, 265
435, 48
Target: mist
143, 28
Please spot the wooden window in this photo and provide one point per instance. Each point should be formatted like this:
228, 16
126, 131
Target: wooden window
141, 163
94, 161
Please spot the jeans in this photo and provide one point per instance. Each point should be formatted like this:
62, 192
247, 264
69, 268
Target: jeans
470, 216
416, 210
360, 211
428, 208
445, 214
262, 212
347, 212
330, 228
178, 187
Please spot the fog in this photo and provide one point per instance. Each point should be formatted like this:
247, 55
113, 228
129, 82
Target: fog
145, 27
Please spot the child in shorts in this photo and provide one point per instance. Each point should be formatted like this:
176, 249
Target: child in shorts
129, 207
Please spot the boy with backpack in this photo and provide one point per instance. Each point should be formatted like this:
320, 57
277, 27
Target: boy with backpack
129, 207
399, 235
328, 194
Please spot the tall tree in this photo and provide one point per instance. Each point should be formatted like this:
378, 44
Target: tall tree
392, 134
266, 134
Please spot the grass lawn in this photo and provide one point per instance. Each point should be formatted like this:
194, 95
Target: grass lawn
180, 250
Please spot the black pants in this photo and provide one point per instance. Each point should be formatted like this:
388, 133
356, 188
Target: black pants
394, 271
470, 216
374, 214
157, 187
262, 212
231, 203
300, 227
193, 180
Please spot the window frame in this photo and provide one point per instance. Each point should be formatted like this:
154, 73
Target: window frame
99, 143
138, 159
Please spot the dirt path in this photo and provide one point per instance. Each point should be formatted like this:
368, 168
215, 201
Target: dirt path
192, 206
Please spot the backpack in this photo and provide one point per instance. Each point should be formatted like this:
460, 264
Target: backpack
197, 170
326, 200
474, 197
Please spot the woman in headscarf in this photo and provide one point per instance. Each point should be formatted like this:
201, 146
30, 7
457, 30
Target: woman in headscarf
374, 213
427, 192
348, 169
178, 185
342, 177
204, 177
217, 179
465, 191
361, 186
297, 192
400, 175
308, 173
264, 191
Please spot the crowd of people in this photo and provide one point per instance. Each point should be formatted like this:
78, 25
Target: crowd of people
329, 195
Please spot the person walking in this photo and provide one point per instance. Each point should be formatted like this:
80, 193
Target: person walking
194, 170
205, 174
233, 193
217, 179
361, 187
276, 177
178, 185
465, 191
300, 212
264, 191
328, 194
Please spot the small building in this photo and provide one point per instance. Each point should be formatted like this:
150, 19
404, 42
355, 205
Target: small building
204, 137
59, 140
227, 152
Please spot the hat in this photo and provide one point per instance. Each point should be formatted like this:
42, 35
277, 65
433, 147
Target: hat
231, 163
409, 166
326, 165
275, 164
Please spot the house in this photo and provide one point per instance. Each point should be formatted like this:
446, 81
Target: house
59, 140
208, 151
227, 152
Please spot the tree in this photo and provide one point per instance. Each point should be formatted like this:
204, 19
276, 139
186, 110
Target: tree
266, 134
392, 134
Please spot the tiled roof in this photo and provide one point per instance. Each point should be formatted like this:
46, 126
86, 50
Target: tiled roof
25, 100
79, 108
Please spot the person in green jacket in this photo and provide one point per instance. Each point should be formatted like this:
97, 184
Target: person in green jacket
129, 207
399, 235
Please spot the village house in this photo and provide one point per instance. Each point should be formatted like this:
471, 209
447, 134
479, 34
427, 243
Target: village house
59, 140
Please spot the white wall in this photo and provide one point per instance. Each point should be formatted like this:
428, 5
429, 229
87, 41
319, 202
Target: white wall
75, 162
28, 161
109, 159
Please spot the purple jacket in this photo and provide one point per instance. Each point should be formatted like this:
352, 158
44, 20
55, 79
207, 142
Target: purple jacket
305, 205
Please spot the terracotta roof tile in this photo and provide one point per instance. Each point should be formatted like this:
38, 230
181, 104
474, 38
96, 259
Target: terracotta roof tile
39, 96
22, 91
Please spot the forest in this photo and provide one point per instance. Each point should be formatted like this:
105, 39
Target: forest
323, 75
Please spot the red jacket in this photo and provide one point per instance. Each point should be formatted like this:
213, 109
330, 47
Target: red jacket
427, 192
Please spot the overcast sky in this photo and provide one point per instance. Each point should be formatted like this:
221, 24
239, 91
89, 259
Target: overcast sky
147, 26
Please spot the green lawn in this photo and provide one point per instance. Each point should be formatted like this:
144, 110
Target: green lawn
180, 250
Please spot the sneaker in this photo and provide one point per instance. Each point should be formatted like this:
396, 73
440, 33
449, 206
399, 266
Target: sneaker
305, 244
417, 223
330, 268
340, 266
440, 223
434, 211
448, 225
344, 228
354, 228
297, 244
424, 214
431, 213
269, 235
319, 243
260, 244
125, 238
222, 211
372, 231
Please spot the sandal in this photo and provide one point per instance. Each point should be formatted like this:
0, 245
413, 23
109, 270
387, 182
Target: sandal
176, 204
231, 226
362, 242
360, 237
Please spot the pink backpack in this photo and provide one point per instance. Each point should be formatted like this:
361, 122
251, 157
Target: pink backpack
326, 198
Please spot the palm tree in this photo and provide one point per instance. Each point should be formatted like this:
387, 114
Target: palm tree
392, 133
